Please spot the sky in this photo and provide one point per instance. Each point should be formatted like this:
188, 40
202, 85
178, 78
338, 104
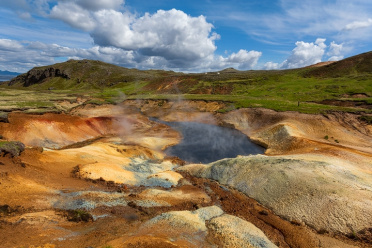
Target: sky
179, 35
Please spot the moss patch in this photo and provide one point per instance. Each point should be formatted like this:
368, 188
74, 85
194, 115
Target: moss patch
14, 148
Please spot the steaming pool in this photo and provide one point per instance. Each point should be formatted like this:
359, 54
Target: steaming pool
204, 143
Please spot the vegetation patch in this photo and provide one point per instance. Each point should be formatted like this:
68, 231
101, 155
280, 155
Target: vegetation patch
338, 86
366, 118
14, 148
78, 215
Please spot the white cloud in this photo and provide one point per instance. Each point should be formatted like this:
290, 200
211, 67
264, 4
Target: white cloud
309, 53
305, 54
178, 39
358, 24
244, 59
22, 56
10, 45
335, 51
73, 15
168, 39
271, 66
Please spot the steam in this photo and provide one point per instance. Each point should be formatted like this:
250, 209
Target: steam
202, 140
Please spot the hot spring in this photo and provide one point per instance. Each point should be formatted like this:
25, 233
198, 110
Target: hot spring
204, 143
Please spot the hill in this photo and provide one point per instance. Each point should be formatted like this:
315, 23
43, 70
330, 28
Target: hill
358, 65
80, 74
346, 84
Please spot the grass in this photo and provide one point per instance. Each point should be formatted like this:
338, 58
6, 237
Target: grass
299, 90
243, 101
35, 101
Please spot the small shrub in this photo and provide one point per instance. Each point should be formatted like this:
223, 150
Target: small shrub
326, 137
79, 215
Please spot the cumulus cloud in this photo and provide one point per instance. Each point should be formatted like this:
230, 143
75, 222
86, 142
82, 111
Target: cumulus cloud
74, 15
305, 54
271, 66
166, 39
308, 53
22, 56
244, 59
335, 51
172, 34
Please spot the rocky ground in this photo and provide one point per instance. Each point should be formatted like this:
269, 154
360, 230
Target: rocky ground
97, 176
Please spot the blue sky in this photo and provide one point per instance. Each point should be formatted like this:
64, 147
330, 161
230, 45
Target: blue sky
190, 36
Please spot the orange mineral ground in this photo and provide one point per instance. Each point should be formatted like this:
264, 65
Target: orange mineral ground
98, 176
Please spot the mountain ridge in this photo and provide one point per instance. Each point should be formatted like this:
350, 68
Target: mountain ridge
7, 75
97, 74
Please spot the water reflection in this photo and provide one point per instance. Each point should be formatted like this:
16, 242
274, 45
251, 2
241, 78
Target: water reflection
204, 143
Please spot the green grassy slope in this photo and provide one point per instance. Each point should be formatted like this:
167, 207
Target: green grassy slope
82, 75
298, 89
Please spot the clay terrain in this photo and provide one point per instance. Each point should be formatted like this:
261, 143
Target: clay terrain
99, 176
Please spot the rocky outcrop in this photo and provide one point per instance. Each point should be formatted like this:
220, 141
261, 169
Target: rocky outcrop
14, 148
4, 117
232, 231
335, 197
192, 228
290, 132
37, 75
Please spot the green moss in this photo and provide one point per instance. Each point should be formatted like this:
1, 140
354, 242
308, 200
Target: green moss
14, 148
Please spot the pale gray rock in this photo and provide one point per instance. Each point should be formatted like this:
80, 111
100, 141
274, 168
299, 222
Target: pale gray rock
328, 196
235, 232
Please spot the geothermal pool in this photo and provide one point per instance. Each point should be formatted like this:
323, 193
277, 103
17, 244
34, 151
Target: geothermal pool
204, 143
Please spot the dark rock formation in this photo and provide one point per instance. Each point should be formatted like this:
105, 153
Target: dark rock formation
37, 75
4, 117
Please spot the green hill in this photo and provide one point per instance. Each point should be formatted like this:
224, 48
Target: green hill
81, 74
358, 65
345, 85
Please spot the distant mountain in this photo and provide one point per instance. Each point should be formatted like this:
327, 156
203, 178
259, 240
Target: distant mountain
92, 74
7, 75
